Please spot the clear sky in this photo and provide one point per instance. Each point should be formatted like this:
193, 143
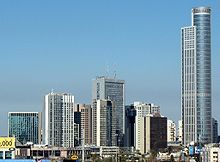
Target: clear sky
63, 45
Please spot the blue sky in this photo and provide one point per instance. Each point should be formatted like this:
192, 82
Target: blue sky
65, 44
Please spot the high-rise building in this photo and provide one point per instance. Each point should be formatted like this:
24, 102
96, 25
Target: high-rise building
105, 88
130, 114
104, 123
196, 78
215, 130
59, 119
25, 126
147, 108
150, 132
171, 131
83, 116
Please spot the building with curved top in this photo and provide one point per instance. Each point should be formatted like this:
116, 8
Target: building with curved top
196, 78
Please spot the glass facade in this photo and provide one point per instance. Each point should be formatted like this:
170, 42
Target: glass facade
201, 19
196, 78
26, 127
112, 89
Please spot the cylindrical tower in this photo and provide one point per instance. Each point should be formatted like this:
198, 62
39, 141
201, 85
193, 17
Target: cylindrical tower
201, 17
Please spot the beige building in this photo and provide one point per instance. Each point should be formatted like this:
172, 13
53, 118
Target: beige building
171, 131
86, 122
150, 133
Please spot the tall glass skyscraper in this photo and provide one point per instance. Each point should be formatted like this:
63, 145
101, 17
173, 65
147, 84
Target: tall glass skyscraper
105, 88
196, 78
25, 126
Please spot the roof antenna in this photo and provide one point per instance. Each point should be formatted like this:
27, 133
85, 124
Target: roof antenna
114, 74
107, 70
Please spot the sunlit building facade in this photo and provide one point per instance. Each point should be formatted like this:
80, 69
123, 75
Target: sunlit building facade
196, 78
25, 126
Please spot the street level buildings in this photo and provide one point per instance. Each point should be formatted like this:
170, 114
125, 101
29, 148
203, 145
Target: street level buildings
105, 88
59, 119
196, 78
25, 126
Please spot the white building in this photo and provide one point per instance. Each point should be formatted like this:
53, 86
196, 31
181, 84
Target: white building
146, 108
211, 153
180, 131
59, 119
171, 131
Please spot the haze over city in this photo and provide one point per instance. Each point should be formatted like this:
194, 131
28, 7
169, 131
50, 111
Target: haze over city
63, 45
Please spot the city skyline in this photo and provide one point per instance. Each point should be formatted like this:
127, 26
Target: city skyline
67, 44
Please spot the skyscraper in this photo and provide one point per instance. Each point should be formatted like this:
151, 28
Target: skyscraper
59, 119
104, 123
130, 114
25, 126
83, 117
105, 88
196, 78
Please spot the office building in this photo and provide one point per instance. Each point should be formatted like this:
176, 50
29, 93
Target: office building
196, 78
83, 117
215, 131
104, 123
105, 88
77, 120
147, 108
150, 133
130, 114
25, 126
171, 131
77, 137
59, 119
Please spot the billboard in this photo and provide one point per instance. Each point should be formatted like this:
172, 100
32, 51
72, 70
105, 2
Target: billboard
191, 150
7, 142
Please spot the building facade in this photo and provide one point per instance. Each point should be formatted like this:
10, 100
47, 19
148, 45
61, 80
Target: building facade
83, 113
146, 108
25, 126
180, 131
196, 78
130, 114
150, 133
59, 119
214, 130
104, 123
171, 131
105, 88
